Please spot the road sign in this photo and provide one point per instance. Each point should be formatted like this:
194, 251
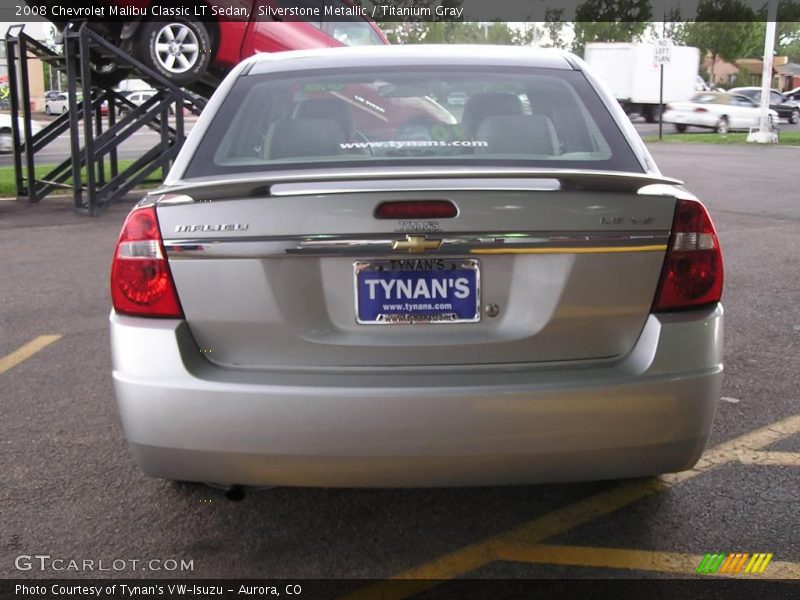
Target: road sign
662, 52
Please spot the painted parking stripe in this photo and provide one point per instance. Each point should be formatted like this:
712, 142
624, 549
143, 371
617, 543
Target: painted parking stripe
533, 533
769, 459
572, 250
644, 560
25, 352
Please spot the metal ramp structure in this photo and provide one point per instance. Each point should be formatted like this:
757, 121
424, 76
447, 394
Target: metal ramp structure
92, 171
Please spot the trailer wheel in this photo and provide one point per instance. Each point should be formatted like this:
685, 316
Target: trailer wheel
680, 127
108, 74
179, 50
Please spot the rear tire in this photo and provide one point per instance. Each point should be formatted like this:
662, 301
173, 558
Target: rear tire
723, 125
178, 50
681, 128
652, 113
6, 141
795, 118
47, 110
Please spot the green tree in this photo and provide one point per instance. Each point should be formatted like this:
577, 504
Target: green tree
412, 29
554, 26
673, 27
725, 29
787, 36
742, 79
792, 50
442, 32
610, 21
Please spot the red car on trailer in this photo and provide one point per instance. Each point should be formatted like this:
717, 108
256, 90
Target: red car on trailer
190, 41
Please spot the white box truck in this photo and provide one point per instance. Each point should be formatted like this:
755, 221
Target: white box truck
630, 72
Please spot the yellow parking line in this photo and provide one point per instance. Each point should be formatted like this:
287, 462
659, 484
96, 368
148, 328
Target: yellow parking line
572, 250
769, 458
638, 560
534, 532
26, 351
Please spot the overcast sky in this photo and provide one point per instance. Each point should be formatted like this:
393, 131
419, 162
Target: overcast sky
36, 30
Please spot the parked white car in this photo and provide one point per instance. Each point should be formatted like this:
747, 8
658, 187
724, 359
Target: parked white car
721, 112
56, 105
6, 137
138, 97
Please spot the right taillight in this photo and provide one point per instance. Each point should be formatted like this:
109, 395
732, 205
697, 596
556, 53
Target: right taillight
692, 274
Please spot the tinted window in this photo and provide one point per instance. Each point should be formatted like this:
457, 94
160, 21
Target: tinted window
742, 101
399, 116
705, 98
752, 94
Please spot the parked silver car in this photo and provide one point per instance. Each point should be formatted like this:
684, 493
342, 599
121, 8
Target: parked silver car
338, 287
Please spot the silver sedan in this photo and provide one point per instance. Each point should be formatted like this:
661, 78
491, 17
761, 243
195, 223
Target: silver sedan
345, 281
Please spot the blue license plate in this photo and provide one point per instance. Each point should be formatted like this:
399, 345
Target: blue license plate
396, 292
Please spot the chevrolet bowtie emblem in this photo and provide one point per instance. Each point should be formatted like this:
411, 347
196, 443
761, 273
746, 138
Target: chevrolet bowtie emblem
417, 244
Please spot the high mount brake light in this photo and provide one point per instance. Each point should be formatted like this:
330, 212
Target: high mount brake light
416, 209
141, 282
692, 275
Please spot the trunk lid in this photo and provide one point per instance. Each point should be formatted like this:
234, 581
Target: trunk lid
266, 273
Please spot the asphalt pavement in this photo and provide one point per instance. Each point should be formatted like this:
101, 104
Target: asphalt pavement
70, 490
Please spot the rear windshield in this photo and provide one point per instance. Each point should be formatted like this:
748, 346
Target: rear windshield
412, 116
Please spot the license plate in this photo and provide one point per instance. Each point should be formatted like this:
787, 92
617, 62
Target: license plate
413, 291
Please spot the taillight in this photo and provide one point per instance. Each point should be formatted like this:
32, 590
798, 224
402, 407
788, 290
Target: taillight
700, 110
416, 209
141, 283
692, 274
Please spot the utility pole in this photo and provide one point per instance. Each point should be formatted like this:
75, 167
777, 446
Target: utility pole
765, 135
661, 85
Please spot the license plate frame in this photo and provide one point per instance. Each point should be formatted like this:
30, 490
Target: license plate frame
459, 267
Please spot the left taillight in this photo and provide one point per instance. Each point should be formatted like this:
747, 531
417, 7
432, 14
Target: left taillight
141, 282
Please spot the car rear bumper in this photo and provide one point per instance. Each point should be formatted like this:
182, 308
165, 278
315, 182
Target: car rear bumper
647, 413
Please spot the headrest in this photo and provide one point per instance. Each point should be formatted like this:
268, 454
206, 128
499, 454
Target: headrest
481, 106
300, 138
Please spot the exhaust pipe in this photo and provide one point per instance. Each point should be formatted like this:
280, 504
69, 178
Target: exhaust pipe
234, 493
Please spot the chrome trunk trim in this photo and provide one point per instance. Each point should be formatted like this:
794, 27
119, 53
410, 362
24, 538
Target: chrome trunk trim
383, 245
429, 186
